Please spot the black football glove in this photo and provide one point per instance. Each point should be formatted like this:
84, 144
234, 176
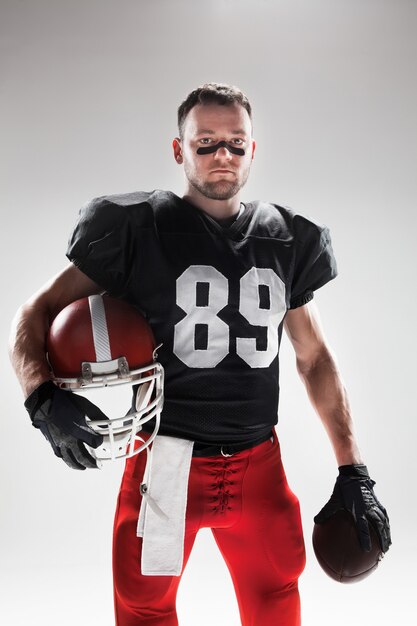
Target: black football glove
354, 492
60, 416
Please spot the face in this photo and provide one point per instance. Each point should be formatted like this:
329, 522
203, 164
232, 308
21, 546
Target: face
205, 126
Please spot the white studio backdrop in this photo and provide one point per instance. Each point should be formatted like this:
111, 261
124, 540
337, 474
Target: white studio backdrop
89, 92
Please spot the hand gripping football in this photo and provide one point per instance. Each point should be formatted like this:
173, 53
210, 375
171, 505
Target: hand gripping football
338, 551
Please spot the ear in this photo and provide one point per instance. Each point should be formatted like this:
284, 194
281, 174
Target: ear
176, 145
253, 149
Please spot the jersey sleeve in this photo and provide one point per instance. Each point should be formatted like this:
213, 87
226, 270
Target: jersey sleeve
315, 264
101, 245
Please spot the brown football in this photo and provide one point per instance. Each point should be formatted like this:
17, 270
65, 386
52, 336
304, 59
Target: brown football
338, 551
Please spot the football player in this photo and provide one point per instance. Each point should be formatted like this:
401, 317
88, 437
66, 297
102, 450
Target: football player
217, 279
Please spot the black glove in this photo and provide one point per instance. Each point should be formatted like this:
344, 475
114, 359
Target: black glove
354, 492
60, 415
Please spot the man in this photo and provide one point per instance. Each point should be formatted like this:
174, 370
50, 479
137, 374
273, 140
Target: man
217, 280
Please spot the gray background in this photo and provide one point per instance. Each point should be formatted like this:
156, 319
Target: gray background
89, 91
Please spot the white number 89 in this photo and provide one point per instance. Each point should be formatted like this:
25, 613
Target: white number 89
206, 314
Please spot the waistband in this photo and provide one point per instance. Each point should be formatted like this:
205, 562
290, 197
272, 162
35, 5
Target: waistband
200, 450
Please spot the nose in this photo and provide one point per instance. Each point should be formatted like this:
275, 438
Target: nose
222, 153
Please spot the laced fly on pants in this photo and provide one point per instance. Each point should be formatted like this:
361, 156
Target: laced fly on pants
255, 519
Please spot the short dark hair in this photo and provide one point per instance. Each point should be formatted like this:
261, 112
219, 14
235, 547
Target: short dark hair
209, 93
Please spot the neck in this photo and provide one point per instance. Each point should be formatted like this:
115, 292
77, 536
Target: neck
218, 209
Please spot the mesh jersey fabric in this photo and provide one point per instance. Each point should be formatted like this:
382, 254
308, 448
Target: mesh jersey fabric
215, 297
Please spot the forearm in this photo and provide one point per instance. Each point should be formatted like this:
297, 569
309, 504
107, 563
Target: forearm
329, 398
27, 346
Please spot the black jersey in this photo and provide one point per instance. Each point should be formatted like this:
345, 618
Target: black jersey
215, 298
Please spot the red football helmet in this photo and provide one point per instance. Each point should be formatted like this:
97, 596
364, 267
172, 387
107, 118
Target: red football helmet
101, 342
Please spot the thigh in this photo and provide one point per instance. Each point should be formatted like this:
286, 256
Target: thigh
264, 550
140, 599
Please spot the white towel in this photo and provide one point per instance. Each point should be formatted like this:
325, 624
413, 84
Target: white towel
161, 520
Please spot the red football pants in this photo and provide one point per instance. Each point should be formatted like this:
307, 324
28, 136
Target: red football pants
255, 520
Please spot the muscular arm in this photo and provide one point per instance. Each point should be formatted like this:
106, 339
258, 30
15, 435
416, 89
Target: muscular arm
31, 323
318, 370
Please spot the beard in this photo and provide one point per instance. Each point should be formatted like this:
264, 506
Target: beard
222, 189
